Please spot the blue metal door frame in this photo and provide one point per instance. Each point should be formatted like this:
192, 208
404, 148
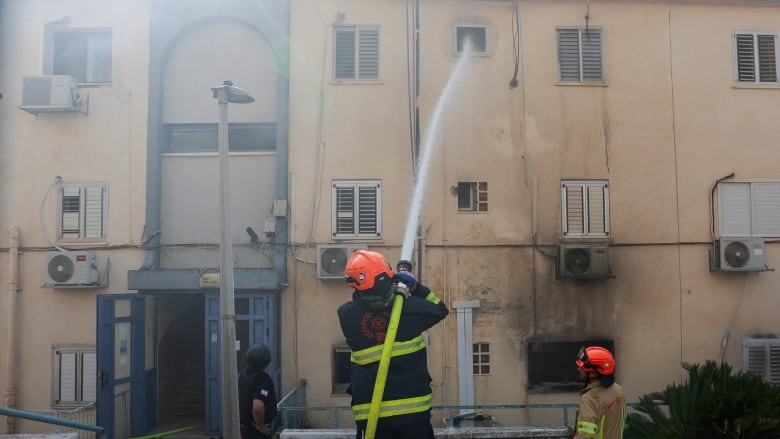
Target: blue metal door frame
122, 320
256, 313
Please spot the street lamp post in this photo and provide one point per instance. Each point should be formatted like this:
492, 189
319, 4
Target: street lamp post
227, 313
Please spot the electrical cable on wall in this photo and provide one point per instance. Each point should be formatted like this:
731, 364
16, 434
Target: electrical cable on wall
57, 180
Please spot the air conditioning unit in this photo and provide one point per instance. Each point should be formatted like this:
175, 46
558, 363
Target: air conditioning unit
332, 259
738, 254
583, 261
51, 93
71, 268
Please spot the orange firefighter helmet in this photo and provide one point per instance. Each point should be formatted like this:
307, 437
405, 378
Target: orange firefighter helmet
596, 359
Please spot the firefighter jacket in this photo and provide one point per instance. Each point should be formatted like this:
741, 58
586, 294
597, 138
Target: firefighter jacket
602, 412
407, 389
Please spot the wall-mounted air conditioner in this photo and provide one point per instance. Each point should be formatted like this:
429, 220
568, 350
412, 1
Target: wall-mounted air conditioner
738, 254
332, 259
583, 261
71, 268
50, 93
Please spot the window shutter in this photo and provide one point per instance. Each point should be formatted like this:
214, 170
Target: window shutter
575, 211
766, 209
89, 377
591, 56
596, 210
344, 41
746, 67
67, 390
749, 208
368, 210
345, 210
93, 212
585, 207
71, 212
569, 54
734, 209
761, 356
767, 60
368, 58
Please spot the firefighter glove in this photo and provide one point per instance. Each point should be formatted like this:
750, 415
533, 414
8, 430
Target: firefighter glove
406, 279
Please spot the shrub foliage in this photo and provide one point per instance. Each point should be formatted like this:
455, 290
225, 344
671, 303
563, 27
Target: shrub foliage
713, 403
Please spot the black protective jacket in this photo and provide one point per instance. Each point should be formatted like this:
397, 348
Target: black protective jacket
407, 391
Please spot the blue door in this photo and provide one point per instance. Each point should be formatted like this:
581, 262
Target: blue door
126, 365
255, 323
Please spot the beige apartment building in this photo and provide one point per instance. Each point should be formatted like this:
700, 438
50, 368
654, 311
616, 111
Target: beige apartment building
560, 172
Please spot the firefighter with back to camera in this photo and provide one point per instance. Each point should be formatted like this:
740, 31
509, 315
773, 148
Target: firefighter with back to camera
602, 412
405, 410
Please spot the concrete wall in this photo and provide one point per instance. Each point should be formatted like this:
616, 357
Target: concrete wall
666, 124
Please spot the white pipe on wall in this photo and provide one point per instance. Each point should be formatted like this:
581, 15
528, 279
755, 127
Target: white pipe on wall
9, 384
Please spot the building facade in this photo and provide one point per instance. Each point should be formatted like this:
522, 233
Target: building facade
560, 172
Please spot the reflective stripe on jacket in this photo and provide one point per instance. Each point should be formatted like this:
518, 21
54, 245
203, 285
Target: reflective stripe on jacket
602, 412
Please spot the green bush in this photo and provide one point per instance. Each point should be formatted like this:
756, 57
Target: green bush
714, 403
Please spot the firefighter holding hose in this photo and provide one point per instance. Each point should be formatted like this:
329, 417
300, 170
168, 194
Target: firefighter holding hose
389, 306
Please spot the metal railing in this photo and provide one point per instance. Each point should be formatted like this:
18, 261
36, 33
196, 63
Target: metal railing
293, 410
64, 420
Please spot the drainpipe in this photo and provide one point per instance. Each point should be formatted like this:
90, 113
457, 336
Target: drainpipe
9, 390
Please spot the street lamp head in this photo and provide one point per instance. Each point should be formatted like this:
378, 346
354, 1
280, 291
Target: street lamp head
229, 93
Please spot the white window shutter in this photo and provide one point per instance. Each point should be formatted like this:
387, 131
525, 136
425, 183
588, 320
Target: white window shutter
368, 57
344, 210
734, 209
67, 374
746, 58
70, 206
93, 212
569, 55
89, 377
749, 209
592, 70
765, 199
368, 202
344, 52
761, 356
596, 210
767, 58
357, 209
575, 210
585, 208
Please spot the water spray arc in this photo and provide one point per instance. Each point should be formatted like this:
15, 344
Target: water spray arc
412, 220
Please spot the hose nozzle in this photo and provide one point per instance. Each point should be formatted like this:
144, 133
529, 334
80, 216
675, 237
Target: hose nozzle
404, 265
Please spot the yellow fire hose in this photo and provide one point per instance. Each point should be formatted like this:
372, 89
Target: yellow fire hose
384, 366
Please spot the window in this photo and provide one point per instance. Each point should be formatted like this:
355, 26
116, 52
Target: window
474, 35
473, 196
749, 208
551, 365
481, 355
341, 366
357, 209
84, 54
356, 52
585, 209
205, 137
82, 211
580, 55
755, 56
762, 357
75, 375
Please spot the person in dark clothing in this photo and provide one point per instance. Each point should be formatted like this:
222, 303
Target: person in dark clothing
405, 411
256, 394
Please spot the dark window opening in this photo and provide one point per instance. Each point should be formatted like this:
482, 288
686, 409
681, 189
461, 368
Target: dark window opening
341, 372
551, 366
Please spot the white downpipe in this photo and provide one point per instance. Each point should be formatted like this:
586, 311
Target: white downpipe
9, 388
